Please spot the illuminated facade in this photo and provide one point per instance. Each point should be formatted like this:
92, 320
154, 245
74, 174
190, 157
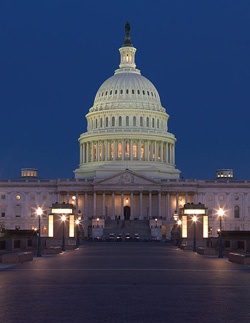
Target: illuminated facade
127, 171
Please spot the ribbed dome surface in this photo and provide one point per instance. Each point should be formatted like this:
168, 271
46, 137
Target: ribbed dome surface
127, 86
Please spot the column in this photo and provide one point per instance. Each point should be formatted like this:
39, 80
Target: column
87, 153
94, 204
86, 205
141, 217
166, 151
122, 203
173, 153
81, 155
139, 151
161, 151
177, 202
92, 147
159, 204
155, 145
77, 196
150, 204
103, 205
113, 206
131, 206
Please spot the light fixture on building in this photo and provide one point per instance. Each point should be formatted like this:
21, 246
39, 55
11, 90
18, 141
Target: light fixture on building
63, 218
220, 214
126, 200
39, 212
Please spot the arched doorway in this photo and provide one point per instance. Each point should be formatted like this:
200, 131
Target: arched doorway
126, 211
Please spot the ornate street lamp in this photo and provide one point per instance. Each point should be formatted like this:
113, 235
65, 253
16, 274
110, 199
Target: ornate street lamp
77, 233
179, 240
156, 222
39, 212
63, 218
220, 214
194, 243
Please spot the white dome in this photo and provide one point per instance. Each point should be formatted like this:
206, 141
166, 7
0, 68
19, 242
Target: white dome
130, 87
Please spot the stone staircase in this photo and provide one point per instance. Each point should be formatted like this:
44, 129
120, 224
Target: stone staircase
123, 227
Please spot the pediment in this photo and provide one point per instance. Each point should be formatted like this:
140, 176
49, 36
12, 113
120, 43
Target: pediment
127, 178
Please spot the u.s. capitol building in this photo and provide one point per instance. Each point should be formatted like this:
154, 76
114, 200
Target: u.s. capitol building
127, 174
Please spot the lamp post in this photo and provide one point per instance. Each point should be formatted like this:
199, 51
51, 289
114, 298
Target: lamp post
63, 218
156, 222
77, 233
39, 212
97, 222
194, 243
179, 224
220, 214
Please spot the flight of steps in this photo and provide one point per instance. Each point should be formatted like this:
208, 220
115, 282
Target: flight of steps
123, 227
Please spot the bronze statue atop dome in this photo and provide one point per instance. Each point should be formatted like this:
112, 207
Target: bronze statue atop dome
127, 41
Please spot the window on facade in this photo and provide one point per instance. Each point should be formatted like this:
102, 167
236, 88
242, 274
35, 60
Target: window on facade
148, 92
121, 91
106, 93
120, 121
110, 92
210, 212
147, 121
126, 149
138, 91
141, 121
133, 91
115, 91
44, 229
153, 122
134, 121
236, 212
3, 214
101, 122
113, 121
94, 151
107, 121
3, 197
127, 91
127, 121
143, 92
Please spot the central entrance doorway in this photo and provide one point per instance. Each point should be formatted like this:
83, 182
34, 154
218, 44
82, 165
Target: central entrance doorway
126, 212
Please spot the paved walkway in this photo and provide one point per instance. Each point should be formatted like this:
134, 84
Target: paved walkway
125, 282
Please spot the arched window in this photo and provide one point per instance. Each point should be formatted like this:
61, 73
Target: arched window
107, 121
134, 121
153, 122
141, 121
236, 212
127, 91
96, 123
119, 150
127, 121
147, 121
113, 121
101, 122
133, 91
158, 124
120, 121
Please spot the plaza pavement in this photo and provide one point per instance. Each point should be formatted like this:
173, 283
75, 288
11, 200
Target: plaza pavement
125, 282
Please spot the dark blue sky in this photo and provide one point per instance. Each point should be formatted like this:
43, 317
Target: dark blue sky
56, 53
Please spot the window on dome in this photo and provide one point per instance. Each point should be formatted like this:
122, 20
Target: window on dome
134, 150
127, 91
106, 93
96, 123
101, 122
121, 91
119, 150
142, 151
138, 91
133, 91
127, 121
113, 121
120, 121
148, 92
107, 121
152, 93
147, 121
141, 121
134, 121
153, 122
158, 124
110, 92
143, 92
102, 93
115, 91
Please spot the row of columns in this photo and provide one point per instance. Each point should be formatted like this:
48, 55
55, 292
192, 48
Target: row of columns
147, 150
168, 212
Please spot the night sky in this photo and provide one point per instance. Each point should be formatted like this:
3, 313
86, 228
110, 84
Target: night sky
55, 54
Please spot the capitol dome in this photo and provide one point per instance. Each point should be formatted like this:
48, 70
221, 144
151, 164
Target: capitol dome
127, 127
